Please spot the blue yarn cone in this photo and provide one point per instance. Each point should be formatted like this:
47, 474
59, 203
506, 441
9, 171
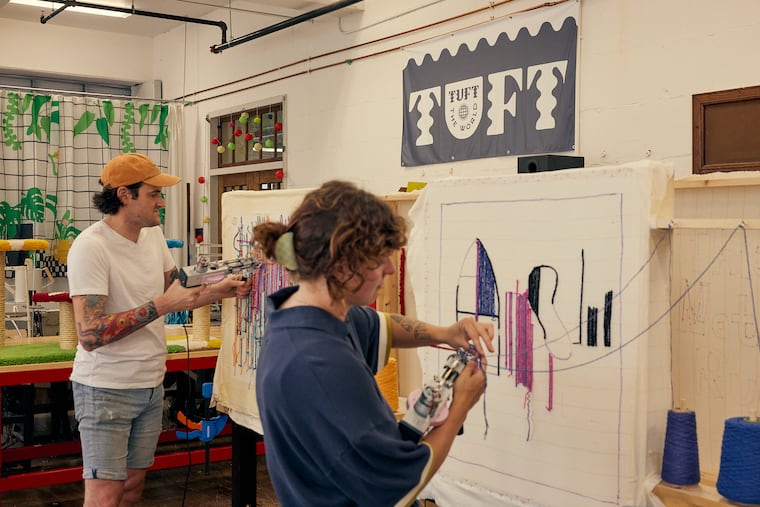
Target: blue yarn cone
739, 475
680, 458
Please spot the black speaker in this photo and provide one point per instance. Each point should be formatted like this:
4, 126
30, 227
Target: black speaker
541, 163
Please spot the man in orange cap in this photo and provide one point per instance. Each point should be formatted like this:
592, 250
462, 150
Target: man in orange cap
122, 279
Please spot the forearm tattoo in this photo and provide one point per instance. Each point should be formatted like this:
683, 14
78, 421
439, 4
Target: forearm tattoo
417, 329
101, 329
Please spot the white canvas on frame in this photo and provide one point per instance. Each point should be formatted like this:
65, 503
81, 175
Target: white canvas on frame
235, 375
568, 419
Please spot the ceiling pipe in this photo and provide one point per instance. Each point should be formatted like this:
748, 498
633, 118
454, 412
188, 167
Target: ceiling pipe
216, 49
73, 3
45, 19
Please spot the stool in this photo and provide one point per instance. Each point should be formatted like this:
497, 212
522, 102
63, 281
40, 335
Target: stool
67, 333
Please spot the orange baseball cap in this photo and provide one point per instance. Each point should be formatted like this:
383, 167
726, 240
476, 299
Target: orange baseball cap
129, 168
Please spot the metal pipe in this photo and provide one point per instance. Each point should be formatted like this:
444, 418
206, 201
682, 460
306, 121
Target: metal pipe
45, 19
283, 24
74, 3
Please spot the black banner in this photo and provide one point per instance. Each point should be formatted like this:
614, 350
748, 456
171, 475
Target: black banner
468, 98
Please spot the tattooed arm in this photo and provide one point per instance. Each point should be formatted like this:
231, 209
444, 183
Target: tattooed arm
409, 333
97, 328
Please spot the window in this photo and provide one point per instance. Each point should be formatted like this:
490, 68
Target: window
725, 130
249, 136
64, 84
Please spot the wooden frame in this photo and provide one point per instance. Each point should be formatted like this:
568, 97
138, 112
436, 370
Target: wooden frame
724, 125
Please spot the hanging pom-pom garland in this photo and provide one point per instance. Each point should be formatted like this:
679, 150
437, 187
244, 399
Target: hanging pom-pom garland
204, 201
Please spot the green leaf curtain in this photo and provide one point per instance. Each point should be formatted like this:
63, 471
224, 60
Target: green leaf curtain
53, 148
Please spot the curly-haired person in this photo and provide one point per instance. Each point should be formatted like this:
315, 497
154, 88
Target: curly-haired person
331, 438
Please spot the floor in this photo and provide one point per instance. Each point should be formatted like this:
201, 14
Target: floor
175, 487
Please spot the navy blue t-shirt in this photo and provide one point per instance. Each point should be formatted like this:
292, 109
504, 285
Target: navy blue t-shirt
331, 439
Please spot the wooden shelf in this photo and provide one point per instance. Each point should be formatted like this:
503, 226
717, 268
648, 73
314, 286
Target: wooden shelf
701, 495
718, 180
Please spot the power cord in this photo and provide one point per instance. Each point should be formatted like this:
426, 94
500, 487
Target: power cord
188, 399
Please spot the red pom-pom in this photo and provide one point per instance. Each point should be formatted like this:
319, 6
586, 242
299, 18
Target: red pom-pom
201, 180
199, 238
278, 126
231, 124
279, 174
248, 136
214, 140
238, 132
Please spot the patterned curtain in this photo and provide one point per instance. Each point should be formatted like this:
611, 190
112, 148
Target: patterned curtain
52, 152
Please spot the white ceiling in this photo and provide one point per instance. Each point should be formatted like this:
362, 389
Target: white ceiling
277, 10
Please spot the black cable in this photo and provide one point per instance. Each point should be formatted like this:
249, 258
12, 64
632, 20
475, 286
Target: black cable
188, 398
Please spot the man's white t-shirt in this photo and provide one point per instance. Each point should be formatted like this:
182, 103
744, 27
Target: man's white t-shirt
104, 263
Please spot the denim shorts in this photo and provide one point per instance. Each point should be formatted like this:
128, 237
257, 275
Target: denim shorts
118, 429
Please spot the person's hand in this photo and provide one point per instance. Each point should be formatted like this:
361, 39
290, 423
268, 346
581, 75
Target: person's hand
245, 289
469, 330
231, 286
470, 384
178, 298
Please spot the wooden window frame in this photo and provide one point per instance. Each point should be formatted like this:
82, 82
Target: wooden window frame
701, 131
270, 115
